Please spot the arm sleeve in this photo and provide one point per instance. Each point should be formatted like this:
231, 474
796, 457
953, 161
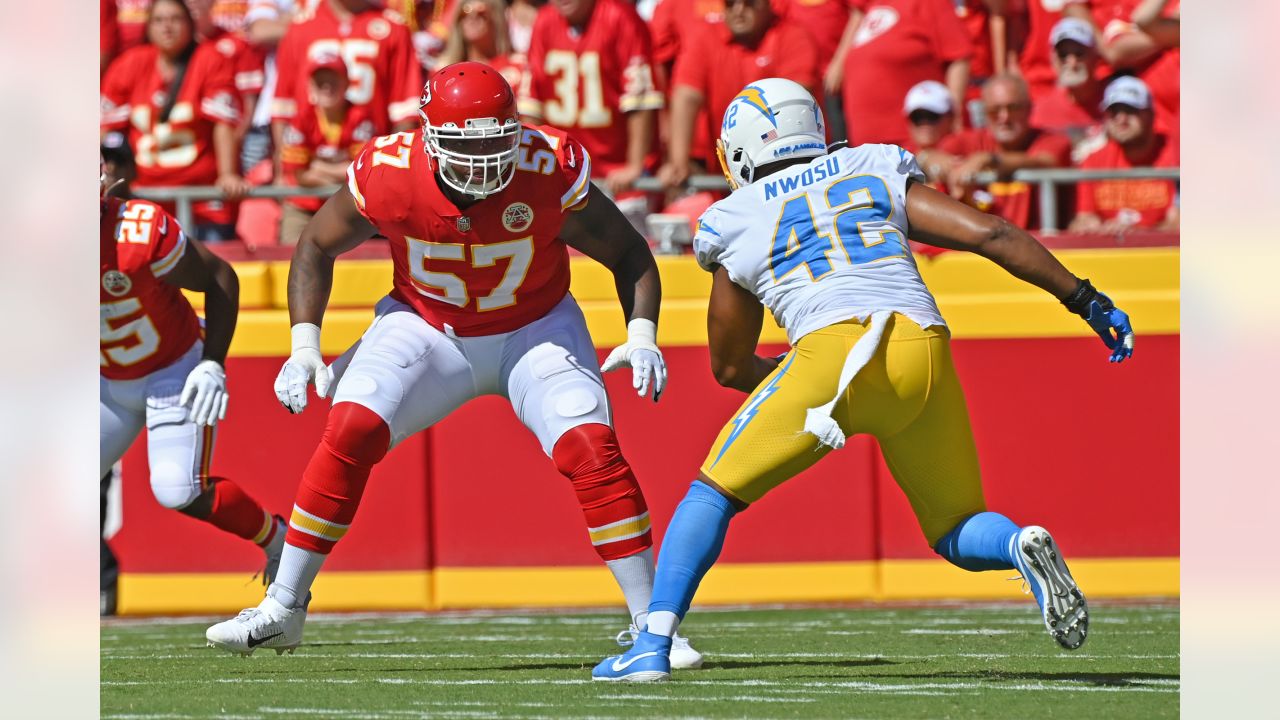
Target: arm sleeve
573, 167
404, 82
708, 239
219, 101
115, 96
534, 87
360, 177
635, 59
167, 242
284, 104
691, 63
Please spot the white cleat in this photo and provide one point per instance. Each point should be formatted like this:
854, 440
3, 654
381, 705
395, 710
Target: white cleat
683, 656
1066, 614
270, 625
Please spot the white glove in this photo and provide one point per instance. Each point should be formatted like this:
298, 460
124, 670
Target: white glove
206, 391
303, 366
640, 353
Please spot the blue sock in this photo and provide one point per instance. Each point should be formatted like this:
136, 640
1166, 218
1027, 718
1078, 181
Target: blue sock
690, 547
980, 542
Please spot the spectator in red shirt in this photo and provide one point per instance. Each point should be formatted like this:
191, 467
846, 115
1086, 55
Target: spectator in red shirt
478, 32
1155, 58
1114, 206
215, 22
1074, 107
321, 141
897, 44
717, 62
177, 100
1034, 20
826, 21
1008, 143
591, 73
930, 117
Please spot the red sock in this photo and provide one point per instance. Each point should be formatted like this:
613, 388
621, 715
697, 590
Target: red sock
615, 510
237, 513
355, 439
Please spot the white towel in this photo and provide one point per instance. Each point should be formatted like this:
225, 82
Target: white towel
818, 421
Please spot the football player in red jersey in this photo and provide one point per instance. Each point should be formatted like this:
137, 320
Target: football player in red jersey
161, 370
480, 211
591, 72
177, 99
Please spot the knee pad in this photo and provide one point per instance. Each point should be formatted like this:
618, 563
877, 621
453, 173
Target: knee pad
356, 434
174, 485
612, 503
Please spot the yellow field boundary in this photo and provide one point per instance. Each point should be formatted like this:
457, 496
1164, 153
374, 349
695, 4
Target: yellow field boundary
732, 583
978, 299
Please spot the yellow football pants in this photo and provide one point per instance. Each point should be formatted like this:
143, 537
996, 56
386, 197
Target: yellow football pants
907, 396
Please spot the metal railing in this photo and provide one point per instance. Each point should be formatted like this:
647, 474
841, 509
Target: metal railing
1049, 179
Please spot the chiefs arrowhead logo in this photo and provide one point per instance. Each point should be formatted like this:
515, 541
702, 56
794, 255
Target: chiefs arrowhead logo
517, 217
116, 283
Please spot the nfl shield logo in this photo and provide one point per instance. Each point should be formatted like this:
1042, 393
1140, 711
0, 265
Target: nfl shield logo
464, 224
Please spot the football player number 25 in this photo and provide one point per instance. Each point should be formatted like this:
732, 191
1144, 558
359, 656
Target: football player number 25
448, 287
860, 207
137, 339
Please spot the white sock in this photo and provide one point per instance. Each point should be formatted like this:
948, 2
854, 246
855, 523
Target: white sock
298, 569
634, 574
663, 622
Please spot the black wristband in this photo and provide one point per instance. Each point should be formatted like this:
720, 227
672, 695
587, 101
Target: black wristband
1078, 301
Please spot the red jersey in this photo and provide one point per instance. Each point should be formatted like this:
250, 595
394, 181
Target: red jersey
1017, 202
378, 51
716, 66
309, 136
587, 82
178, 151
824, 19
492, 267
975, 16
247, 62
675, 19
1144, 203
1161, 72
899, 43
147, 324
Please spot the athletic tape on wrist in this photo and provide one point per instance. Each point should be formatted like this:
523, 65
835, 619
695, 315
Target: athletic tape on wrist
305, 335
642, 331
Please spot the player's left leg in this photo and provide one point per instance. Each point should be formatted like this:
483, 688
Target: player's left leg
935, 462
179, 453
552, 377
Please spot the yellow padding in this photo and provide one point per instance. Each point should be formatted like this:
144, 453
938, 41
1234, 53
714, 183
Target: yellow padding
356, 283
1105, 577
183, 593
1112, 271
588, 586
255, 286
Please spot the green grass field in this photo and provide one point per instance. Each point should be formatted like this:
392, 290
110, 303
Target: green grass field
985, 661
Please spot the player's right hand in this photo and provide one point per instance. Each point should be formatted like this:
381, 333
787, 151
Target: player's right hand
302, 368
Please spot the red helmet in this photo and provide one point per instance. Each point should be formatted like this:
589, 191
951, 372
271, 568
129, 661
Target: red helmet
471, 127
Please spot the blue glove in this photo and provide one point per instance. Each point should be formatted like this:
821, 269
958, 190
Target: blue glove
1110, 322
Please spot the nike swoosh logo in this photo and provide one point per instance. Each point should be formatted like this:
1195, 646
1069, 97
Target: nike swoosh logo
360, 162
619, 666
255, 642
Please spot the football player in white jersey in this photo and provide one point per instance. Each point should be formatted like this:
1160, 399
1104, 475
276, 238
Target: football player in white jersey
821, 240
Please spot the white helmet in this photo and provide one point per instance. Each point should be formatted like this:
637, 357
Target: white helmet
770, 120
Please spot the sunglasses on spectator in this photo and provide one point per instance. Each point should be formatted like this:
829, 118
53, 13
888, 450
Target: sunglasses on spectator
924, 117
475, 8
1066, 50
1122, 109
993, 111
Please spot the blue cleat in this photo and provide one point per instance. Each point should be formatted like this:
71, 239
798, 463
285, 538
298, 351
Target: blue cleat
648, 660
1066, 614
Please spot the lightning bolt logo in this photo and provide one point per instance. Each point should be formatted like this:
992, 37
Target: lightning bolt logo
754, 96
751, 409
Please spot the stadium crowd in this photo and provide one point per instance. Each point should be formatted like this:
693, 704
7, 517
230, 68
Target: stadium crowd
235, 93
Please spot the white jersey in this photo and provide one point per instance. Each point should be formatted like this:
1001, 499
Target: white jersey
824, 242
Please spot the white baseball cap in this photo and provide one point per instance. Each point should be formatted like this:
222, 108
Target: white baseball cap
1071, 29
1127, 90
929, 95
